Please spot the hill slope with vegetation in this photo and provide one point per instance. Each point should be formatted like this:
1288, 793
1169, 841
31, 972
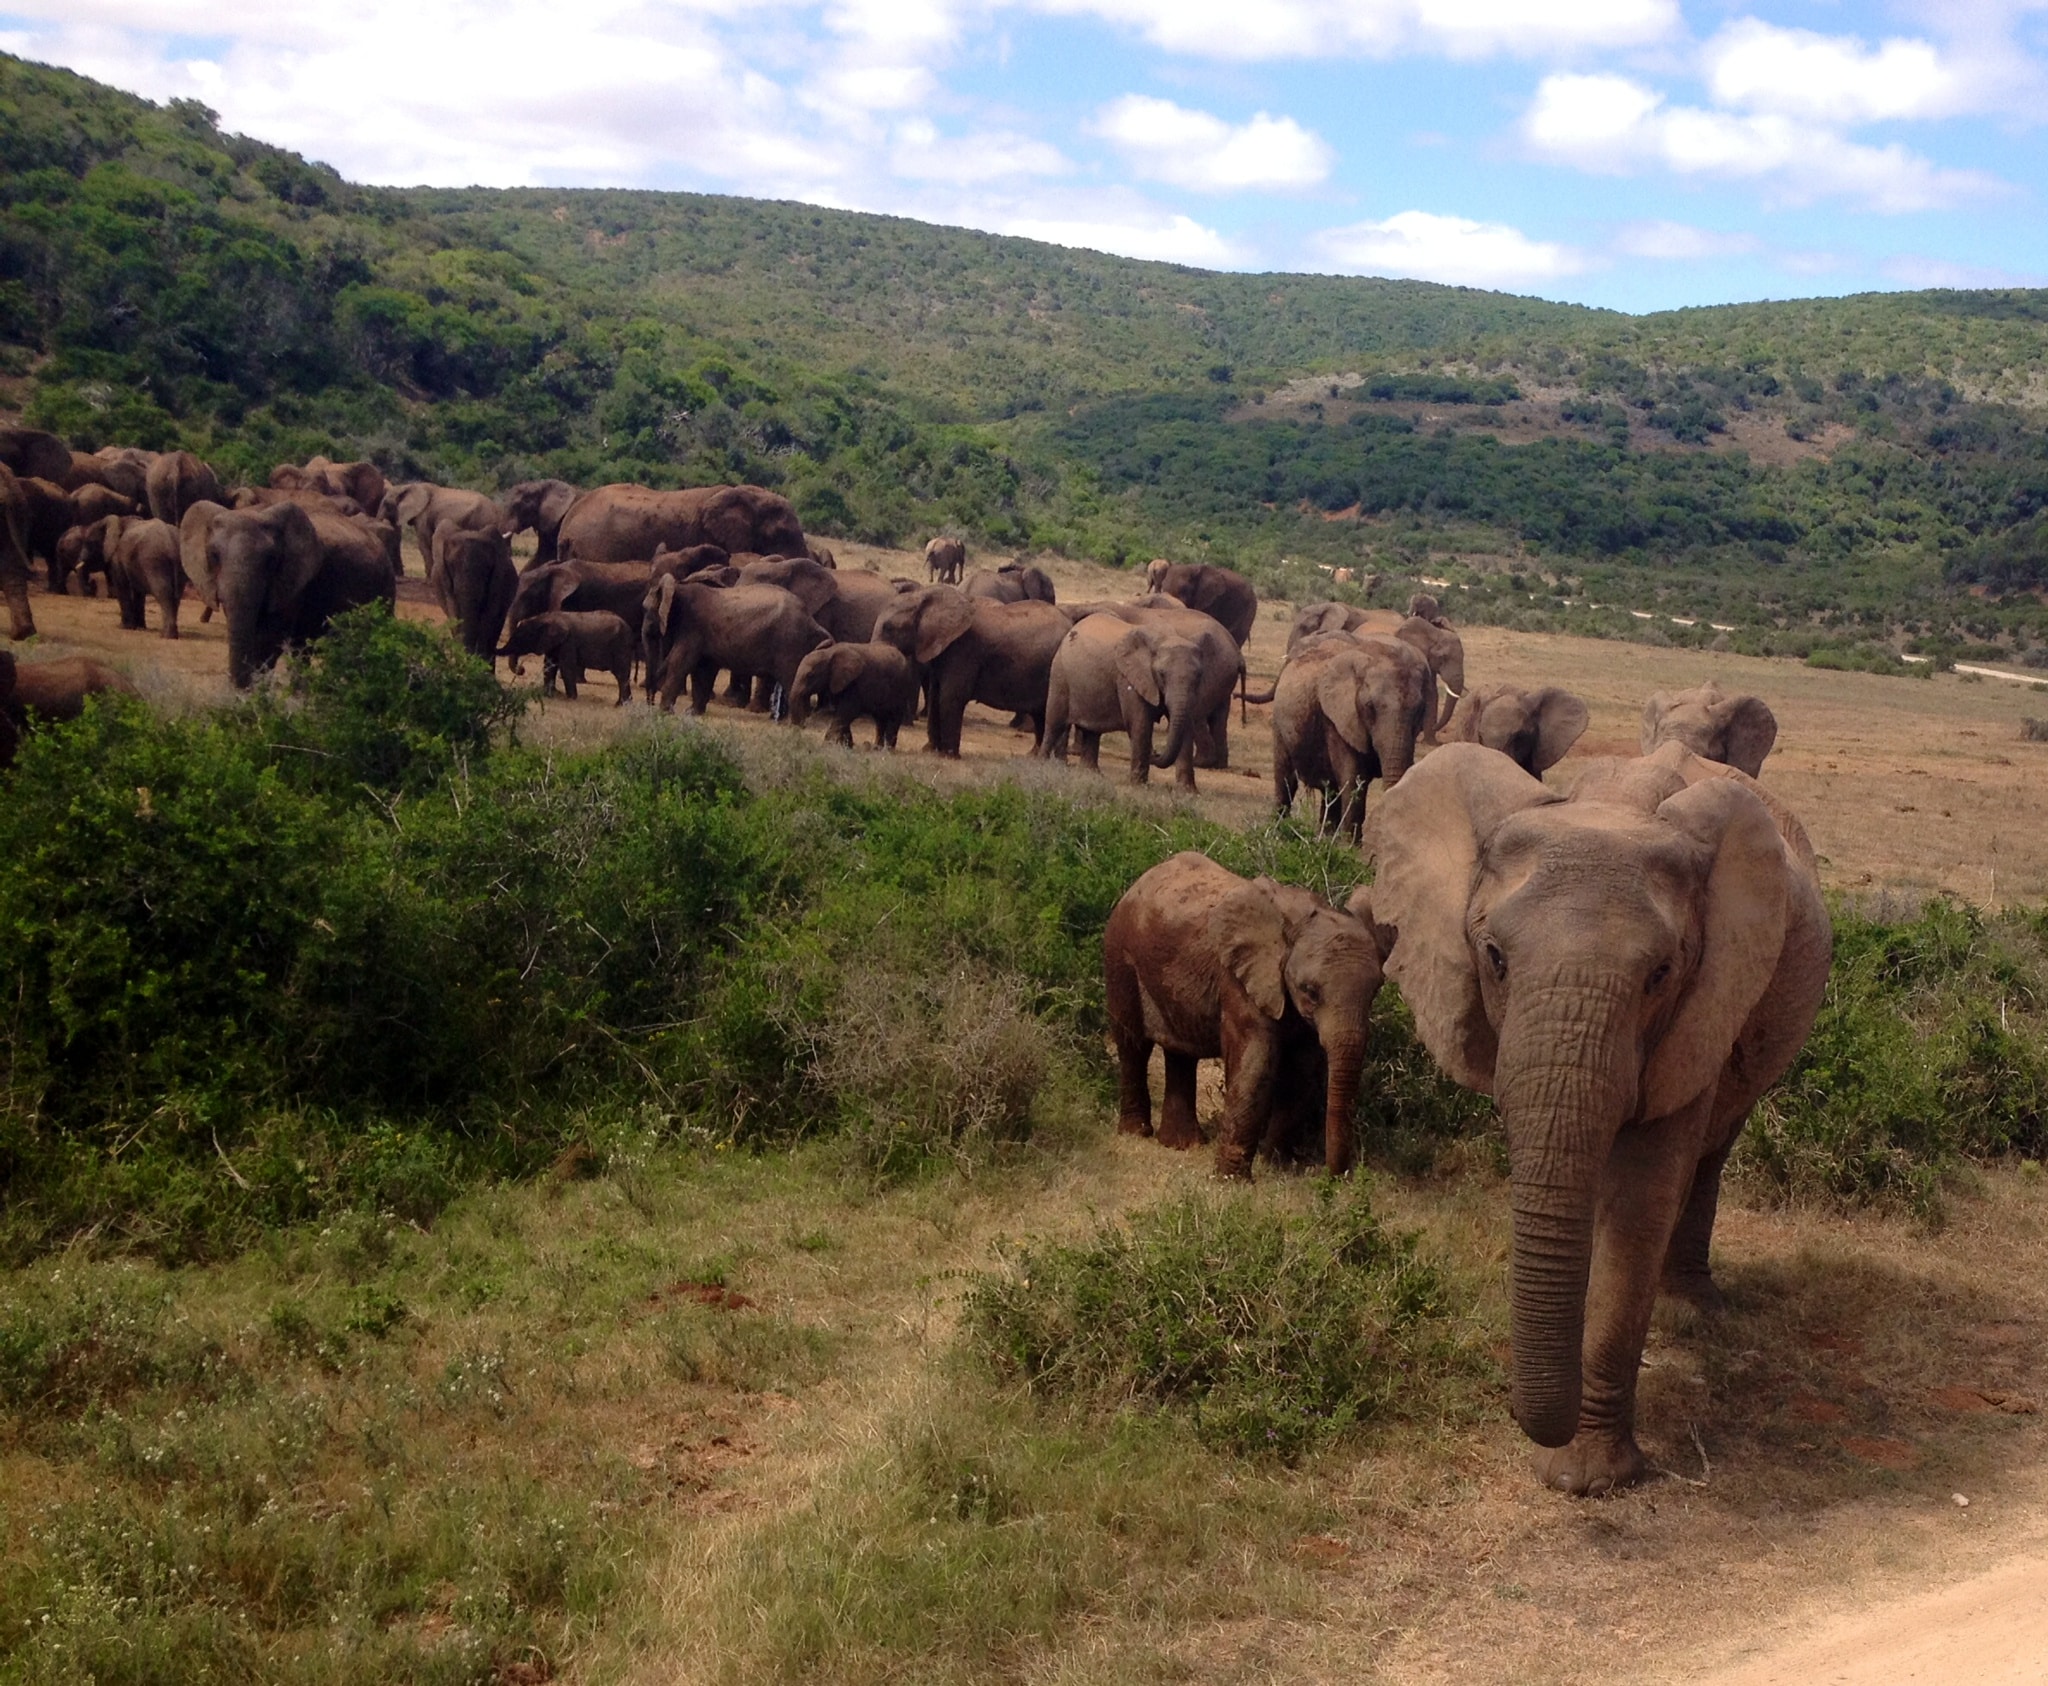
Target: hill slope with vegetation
1837, 470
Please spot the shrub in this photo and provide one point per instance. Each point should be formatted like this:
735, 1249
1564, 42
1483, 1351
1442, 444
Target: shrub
1274, 1333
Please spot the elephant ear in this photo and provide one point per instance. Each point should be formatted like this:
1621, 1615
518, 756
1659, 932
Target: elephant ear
1742, 931
1136, 656
810, 586
664, 602
1465, 720
1560, 722
554, 505
299, 564
941, 619
1653, 720
844, 667
1426, 835
1749, 731
559, 588
1337, 686
1250, 932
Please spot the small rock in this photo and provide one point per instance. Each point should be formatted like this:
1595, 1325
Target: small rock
1961, 1502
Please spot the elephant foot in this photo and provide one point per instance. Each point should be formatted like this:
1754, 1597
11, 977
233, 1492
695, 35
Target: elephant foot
1594, 1464
1234, 1164
1133, 1124
1179, 1134
1697, 1289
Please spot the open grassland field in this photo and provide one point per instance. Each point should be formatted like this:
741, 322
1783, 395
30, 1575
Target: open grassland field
659, 1386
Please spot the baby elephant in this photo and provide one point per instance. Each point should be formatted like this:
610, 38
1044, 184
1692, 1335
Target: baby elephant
569, 641
1274, 980
875, 680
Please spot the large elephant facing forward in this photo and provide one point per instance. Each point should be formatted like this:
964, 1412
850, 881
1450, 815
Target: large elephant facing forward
1716, 725
1223, 593
1275, 982
629, 523
279, 581
1625, 971
1345, 712
539, 504
1111, 675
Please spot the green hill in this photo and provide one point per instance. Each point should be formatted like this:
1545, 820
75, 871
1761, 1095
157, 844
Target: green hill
1823, 469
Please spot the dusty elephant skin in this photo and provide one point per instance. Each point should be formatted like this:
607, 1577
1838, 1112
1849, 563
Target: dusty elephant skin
1625, 971
428, 509
856, 681
474, 581
690, 630
846, 604
625, 523
1734, 729
280, 575
968, 650
175, 482
144, 564
1219, 654
1265, 976
540, 505
1115, 675
1222, 593
56, 690
14, 514
1346, 710
945, 560
572, 643
1013, 582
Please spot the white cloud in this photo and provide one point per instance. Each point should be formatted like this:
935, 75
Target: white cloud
1611, 125
1169, 143
1940, 272
1678, 242
1166, 237
1832, 79
1226, 29
922, 153
1427, 247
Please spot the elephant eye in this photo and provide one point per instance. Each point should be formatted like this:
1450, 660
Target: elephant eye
1497, 960
1658, 979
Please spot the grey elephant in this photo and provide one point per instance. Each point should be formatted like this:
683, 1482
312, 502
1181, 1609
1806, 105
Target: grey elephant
690, 630
1111, 676
1435, 640
426, 508
193, 532
626, 523
1346, 710
55, 690
1013, 582
1732, 728
125, 469
144, 563
845, 602
1220, 592
945, 560
619, 588
1265, 976
1533, 729
997, 654
279, 580
175, 482
31, 454
1219, 650
1626, 972
474, 582
856, 681
48, 513
540, 505
570, 644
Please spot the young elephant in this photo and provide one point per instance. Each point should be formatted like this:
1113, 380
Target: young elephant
144, 561
569, 641
1276, 982
1346, 710
856, 680
1533, 729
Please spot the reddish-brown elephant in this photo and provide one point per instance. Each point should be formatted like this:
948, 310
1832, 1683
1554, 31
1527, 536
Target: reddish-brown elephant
629, 523
1272, 980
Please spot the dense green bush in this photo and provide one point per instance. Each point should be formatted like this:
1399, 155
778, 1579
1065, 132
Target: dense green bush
1273, 1332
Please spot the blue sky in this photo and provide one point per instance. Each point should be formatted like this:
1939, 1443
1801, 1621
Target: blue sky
1634, 153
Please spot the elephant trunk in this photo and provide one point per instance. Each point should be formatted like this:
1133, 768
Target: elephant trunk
1563, 1088
1180, 726
1345, 1056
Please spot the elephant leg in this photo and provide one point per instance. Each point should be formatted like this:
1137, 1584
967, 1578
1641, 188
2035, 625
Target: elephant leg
1219, 736
1285, 784
1687, 1275
1250, 1066
1178, 1128
21, 619
1138, 726
550, 671
1207, 751
949, 705
624, 675
1292, 1134
167, 606
1133, 1081
1091, 748
843, 718
572, 676
739, 688
1648, 1176
702, 678
1022, 722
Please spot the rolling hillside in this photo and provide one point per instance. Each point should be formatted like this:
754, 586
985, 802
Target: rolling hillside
1848, 472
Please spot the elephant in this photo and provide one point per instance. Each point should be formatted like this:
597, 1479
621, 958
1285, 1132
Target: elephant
539, 504
14, 518
311, 501
94, 502
474, 582
570, 643
1222, 593
689, 630
1424, 607
967, 651
868, 680
53, 690
48, 513
1346, 710
281, 574
623, 523
1156, 609
192, 536
847, 605
1533, 729
144, 562
1736, 730
690, 561
81, 553
1110, 675
1271, 979
1625, 971
31, 454
945, 560
362, 483
125, 469
1013, 582
427, 508
581, 587
820, 553
1435, 640
175, 482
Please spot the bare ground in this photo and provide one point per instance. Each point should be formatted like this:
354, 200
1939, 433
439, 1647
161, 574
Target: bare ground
1811, 1444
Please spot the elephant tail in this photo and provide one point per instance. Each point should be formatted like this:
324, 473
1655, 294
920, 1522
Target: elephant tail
1244, 696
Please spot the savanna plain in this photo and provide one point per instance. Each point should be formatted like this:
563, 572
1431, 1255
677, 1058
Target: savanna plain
698, 1397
